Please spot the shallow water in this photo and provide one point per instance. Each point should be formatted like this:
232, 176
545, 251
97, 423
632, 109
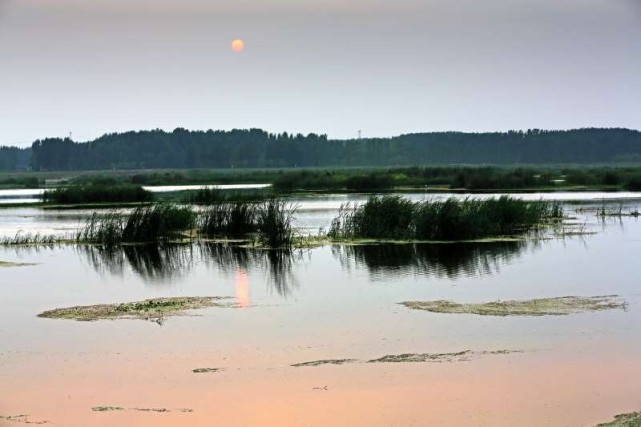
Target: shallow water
333, 302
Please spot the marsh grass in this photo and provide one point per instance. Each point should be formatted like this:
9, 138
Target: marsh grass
145, 224
274, 221
235, 219
394, 217
24, 239
150, 309
536, 307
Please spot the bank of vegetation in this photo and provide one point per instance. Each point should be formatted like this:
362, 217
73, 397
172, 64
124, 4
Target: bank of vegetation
397, 218
268, 223
95, 193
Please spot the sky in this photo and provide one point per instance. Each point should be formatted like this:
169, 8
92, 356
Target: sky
386, 67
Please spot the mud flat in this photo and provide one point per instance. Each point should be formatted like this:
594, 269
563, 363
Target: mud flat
151, 309
536, 307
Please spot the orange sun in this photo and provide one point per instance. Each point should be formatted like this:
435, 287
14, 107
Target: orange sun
238, 45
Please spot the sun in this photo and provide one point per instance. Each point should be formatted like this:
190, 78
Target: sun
238, 45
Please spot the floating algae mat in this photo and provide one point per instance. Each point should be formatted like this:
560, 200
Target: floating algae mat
536, 307
150, 309
624, 420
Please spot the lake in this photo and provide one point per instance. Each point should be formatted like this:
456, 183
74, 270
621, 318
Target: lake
337, 303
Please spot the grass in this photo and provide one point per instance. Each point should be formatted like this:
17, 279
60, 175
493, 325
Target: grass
394, 217
537, 307
274, 220
270, 222
632, 419
234, 219
151, 309
23, 239
146, 224
98, 193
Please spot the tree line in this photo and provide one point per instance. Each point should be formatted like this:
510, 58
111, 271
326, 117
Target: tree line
255, 148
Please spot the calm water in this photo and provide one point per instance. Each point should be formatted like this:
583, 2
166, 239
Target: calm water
332, 302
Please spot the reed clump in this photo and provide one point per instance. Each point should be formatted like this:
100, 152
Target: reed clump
236, 220
145, 224
274, 222
21, 238
393, 217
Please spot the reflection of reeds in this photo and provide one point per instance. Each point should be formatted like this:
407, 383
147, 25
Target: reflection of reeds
158, 263
393, 217
439, 260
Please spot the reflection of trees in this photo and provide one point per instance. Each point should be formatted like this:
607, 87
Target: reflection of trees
160, 263
440, 260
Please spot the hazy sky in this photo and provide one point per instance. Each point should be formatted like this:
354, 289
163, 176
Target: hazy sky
328, 66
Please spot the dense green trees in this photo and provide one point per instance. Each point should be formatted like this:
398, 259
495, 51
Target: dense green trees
255, 148
13, 158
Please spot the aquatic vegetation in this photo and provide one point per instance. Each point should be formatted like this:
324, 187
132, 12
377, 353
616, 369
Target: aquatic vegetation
29, 239
324, 362
624, 420
274, 220
393, 217
145, 224
537, 307
98, 193
151, 309
236, 219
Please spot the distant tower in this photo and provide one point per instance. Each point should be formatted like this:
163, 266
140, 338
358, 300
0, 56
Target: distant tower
360, 134
71, 135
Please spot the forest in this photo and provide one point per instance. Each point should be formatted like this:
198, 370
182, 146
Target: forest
255, 148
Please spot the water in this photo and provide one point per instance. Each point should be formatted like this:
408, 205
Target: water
332, 302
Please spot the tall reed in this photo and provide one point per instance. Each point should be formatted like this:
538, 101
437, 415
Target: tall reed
393, 217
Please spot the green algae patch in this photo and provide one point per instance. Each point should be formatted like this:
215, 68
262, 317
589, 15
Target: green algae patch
151, 309
560, 306
24, 419
624, 420
206, 370
324, 362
